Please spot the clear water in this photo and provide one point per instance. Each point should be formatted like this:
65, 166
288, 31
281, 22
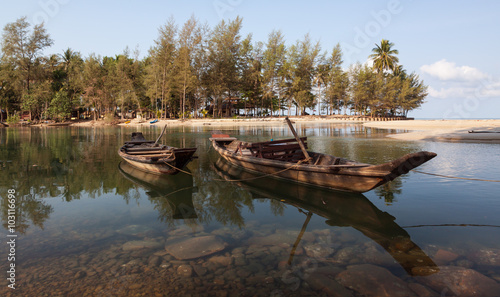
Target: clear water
82, 216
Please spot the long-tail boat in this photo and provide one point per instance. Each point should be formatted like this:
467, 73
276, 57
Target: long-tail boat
289, 159
150, 156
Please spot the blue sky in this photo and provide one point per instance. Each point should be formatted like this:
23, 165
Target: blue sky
452, 45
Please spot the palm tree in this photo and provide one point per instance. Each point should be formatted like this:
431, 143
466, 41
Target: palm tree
384, 57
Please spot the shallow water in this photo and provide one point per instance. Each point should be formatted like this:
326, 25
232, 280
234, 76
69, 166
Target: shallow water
88, 224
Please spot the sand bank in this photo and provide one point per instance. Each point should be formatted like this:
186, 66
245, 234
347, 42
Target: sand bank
443, 130
224, 122
423, 130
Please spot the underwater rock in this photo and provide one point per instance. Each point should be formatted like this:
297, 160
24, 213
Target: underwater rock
486, 257
195, 247
444, 257
140, 244
461, 282
318, 251
185, 270
371, 280
134, 230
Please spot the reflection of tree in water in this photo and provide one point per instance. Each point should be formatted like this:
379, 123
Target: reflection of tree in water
389, 191
29, 211
217, 199
42, 163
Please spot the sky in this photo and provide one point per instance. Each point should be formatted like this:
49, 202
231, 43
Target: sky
453, 46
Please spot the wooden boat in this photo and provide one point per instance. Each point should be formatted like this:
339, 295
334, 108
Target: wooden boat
152, 157
289, 159
339, 209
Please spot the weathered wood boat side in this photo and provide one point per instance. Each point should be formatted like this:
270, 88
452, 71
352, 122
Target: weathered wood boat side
285, 159
148, 156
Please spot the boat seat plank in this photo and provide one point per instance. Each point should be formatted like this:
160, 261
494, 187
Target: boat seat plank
149, 152
139, 141
158, 155
144, 148
256, 144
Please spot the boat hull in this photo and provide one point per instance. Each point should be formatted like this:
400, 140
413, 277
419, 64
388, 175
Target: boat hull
355, 177
171, 165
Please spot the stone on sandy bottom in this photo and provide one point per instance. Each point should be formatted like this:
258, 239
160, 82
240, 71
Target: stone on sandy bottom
486, 257
318, 250
444, 257
140, 244
459, 281
221, 260
194, 247
273, 239
371, 280
185, 270
322, 280
134, 229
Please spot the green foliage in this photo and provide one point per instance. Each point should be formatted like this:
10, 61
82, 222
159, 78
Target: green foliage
13, 119
200, 68
384, 57
60, 106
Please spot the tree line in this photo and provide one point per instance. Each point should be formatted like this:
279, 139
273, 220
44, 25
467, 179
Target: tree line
198, 71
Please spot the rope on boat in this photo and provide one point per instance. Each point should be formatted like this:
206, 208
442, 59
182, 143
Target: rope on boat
265, 175
178, 169
238, 180
456, 177
451, 225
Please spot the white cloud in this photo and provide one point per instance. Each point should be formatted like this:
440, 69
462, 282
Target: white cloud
447, 80
449, 71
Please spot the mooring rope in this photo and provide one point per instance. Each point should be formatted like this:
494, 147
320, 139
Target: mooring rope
238, 180
451, 225
178, 168
456, 177
265, 175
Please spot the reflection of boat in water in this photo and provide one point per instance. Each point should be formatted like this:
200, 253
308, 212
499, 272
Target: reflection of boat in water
173, 195
340, 209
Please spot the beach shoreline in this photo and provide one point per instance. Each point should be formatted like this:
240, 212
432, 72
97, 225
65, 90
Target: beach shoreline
414, 130
443, 130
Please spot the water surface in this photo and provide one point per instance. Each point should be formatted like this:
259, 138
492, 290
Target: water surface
88, 224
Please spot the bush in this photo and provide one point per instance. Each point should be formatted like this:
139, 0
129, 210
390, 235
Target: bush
13, 119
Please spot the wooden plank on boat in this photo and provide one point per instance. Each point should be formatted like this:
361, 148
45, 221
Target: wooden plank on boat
158, 155
139, 141
149, 152
220, 136
143, 149
272, 142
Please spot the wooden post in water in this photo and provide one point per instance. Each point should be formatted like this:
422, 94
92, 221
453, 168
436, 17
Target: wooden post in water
301, 144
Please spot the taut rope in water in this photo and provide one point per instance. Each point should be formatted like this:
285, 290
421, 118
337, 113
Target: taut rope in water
245, 179
456, 177
451, 225
257, 177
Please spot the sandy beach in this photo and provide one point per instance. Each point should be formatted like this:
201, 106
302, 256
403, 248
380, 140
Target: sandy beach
224, 122
443, 130
418, 130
